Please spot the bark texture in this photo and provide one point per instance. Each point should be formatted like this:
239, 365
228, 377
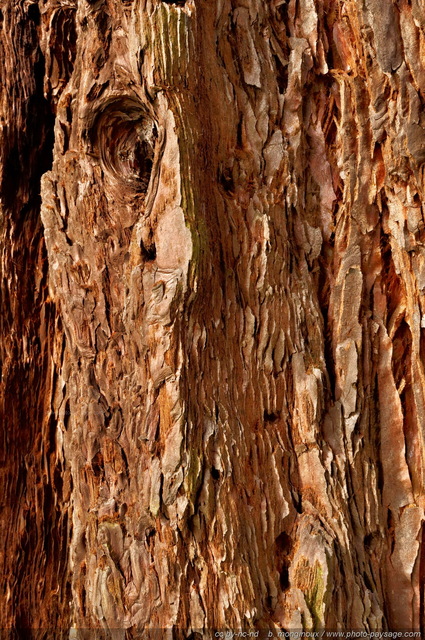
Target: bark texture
212, 314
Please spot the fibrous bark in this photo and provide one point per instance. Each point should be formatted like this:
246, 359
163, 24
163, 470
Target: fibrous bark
212, 339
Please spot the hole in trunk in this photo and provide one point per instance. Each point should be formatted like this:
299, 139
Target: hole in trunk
148, 252
283, 548
124, 136
215, 473
271, 417
34, 13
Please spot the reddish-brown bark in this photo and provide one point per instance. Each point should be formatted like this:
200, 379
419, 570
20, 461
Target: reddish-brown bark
212, 315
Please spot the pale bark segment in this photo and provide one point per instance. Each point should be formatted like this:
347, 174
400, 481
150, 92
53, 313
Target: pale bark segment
234, 230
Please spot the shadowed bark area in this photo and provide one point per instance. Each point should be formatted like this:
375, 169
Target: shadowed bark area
212, 333
34, 520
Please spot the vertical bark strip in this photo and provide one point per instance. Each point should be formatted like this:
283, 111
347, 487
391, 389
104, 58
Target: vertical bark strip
33, 552
212, 315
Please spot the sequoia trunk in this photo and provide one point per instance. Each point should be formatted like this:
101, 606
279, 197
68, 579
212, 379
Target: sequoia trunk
212, 315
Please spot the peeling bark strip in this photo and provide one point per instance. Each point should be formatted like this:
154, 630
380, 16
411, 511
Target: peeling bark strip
212, 315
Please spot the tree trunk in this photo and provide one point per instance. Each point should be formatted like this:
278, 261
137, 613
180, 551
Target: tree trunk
212, 315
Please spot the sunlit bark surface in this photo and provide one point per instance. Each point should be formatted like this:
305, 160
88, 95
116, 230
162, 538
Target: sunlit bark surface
212, 315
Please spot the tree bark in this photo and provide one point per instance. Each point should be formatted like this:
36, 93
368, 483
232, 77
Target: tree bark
212, 315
